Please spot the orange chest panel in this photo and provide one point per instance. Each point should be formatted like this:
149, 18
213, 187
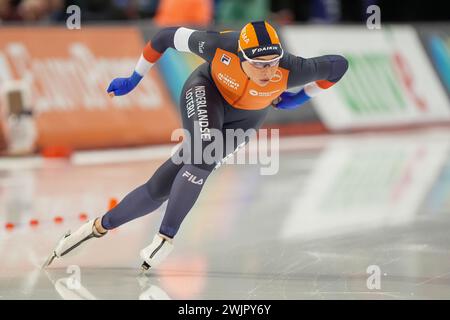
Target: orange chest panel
237, 89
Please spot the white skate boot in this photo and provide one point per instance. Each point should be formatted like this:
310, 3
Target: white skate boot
156, 252
71, 241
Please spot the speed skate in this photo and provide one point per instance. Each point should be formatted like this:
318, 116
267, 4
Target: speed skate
71, 241
155, 253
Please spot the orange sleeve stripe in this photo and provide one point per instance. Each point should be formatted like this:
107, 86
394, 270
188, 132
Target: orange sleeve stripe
150, 54
324, 84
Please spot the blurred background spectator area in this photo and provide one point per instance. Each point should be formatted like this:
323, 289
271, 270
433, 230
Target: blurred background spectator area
206, 12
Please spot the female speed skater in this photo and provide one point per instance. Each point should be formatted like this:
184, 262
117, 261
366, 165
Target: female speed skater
244, 74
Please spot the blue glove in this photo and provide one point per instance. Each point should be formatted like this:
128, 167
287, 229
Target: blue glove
291, 100
121, 86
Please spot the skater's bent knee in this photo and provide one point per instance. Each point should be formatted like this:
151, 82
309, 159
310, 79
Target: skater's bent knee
156, 190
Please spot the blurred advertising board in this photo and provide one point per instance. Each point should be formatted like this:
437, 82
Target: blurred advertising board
390, 81
65, 74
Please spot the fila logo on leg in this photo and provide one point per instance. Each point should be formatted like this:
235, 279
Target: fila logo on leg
191, 178
225, 59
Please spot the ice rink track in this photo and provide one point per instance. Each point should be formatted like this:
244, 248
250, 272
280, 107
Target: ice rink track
340, 211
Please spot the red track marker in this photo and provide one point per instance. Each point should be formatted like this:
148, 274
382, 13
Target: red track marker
58, 219
9, 226
112, 203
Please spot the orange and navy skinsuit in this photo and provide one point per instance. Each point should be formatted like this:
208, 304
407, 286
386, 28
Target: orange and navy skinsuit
217, 95
220, 50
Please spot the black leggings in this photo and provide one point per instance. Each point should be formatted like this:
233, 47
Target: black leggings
202, 109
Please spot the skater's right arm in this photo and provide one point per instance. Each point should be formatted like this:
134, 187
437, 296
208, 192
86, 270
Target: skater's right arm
202, 43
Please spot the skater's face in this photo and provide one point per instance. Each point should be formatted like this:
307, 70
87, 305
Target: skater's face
261, 69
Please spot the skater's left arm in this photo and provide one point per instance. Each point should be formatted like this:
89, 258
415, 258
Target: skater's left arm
316, 74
